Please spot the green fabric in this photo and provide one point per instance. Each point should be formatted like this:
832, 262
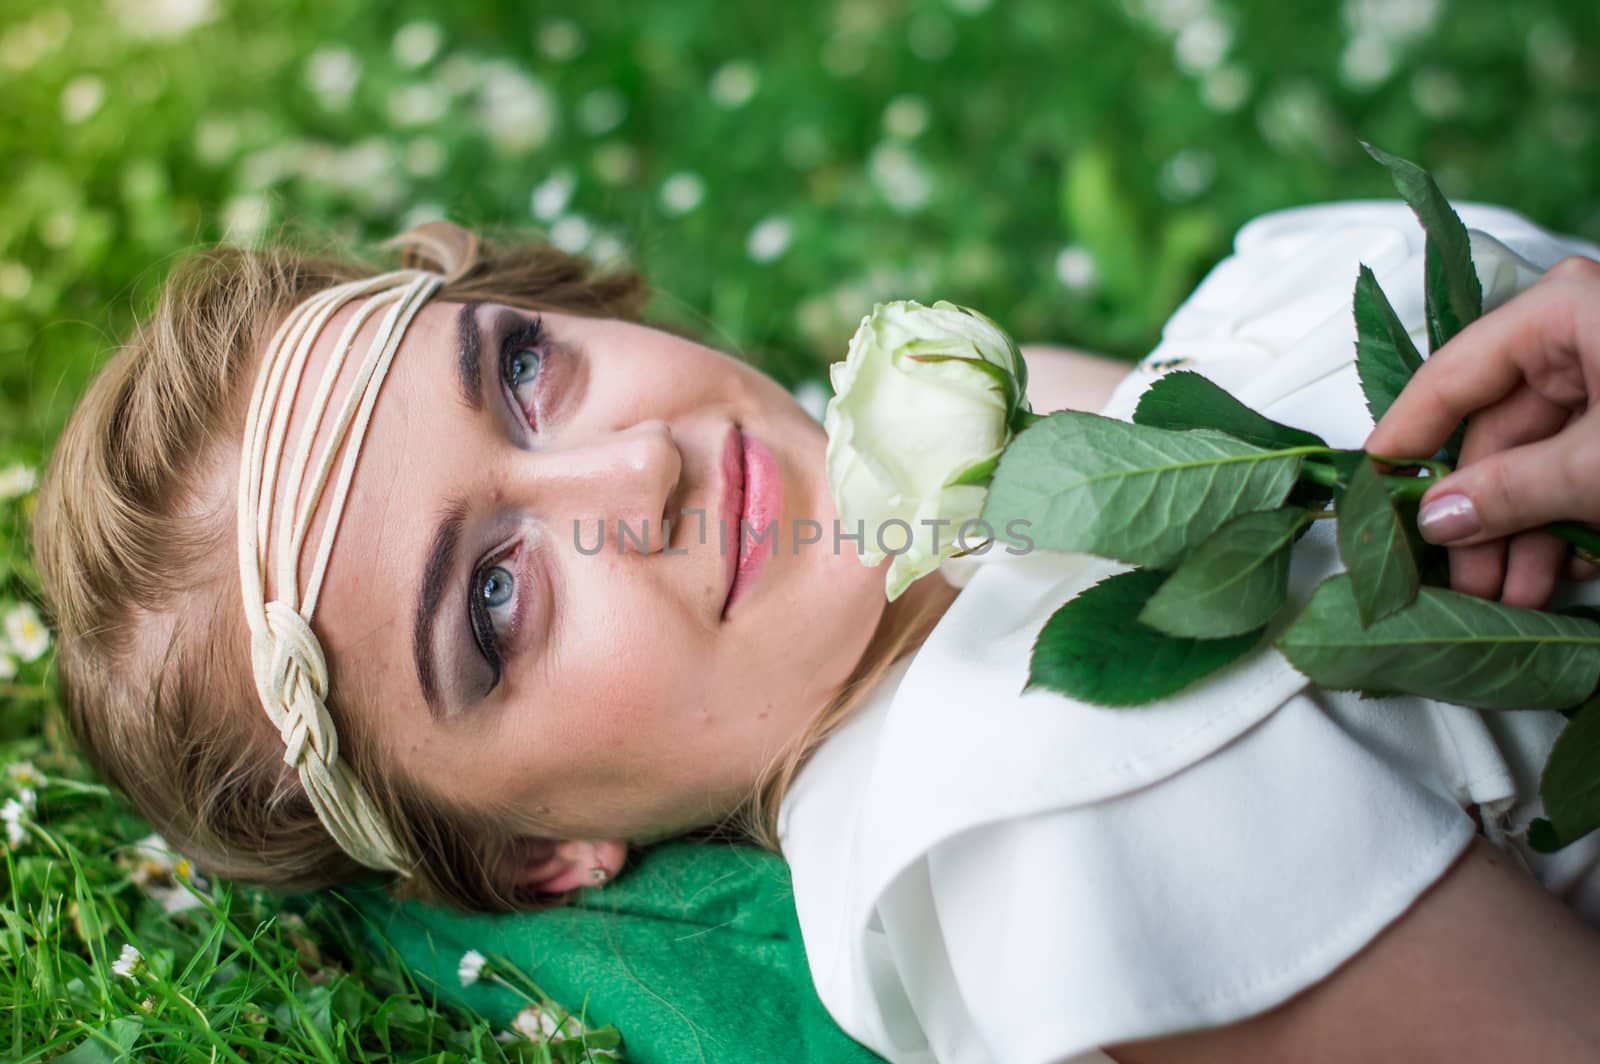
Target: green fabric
694, 953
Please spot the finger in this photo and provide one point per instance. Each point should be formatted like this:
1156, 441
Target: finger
1533, 561
1481, 365
1479, 570
1523, 416
1552, 479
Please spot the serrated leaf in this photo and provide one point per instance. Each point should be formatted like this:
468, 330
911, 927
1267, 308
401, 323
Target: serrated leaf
1188, 400
1373, 544
1232, 583
1453, 294
1570, 784
1094, 649
1447, 646
1139, 494
1385, 356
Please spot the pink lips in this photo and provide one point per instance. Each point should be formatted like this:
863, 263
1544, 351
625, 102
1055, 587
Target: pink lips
752, 497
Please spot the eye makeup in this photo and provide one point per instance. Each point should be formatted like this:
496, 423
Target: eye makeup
524, 386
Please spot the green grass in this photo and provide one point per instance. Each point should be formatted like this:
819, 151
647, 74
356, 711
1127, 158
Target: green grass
1070, 168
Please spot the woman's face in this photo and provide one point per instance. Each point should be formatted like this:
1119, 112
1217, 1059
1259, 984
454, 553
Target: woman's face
501, 605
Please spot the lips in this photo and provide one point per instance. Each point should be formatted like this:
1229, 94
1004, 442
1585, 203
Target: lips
733, 508
760, 510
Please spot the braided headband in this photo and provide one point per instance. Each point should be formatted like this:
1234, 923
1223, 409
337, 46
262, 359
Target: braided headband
291, 672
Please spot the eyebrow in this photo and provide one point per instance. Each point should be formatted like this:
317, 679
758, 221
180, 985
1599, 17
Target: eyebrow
469, 371
430, 595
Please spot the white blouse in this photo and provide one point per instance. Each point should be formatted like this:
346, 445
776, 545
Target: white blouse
987, 875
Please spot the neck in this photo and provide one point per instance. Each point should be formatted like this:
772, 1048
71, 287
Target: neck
907, 620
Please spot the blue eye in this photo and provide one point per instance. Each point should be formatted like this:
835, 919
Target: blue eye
523, 367
493, 588
522, 355
496, 587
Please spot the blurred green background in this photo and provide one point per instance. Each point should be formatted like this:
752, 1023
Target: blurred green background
1071, 168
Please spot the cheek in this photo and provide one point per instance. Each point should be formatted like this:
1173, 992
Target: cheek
626, 661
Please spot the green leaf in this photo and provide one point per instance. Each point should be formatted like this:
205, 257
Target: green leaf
1570, 785
1138, 494
108, 1044
1372, 541
1094, 649
978, 473
1448, 646
1233, 582
1385, 356
1188, 400
1453, 295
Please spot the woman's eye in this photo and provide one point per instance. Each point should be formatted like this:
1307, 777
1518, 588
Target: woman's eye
496, 588
521, 361
524, 367
493, 590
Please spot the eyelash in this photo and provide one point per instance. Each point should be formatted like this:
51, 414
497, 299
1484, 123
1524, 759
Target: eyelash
528, 336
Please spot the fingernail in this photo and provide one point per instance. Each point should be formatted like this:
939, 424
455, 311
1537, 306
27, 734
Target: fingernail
1447, 519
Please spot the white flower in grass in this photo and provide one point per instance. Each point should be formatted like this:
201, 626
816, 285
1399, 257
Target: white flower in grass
165, 876
546, 1022
26, 633
162, 19
551, 196
682, 192
471, 967
418, 104
900, 177
907, 116
560, 39
332, 74
12, 814
768, 240
416, 43
516, 111
8, 667
128, 962
572, 234
734, 84
16, 281
23, 774
82, 98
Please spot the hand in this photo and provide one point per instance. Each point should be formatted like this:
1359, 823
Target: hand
1528, 374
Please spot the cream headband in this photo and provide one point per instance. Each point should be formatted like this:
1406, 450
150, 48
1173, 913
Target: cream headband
291, 672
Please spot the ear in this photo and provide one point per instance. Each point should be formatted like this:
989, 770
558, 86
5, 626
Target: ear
550, 866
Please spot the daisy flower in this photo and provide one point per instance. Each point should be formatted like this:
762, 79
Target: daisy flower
471, 967
26, 633
128, 962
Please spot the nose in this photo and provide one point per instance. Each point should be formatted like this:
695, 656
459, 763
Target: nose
620, 481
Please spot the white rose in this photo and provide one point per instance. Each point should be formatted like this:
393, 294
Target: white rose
924, 403
1502, 273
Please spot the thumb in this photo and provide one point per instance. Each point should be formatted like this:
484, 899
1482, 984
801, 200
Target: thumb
1554, 479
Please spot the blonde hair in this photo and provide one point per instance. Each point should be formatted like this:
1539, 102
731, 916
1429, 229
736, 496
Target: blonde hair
134, 542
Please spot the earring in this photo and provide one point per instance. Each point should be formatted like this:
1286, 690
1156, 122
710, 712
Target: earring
598, 874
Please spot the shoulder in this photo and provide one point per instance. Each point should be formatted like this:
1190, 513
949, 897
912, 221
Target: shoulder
1530, 1003
1063, 378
